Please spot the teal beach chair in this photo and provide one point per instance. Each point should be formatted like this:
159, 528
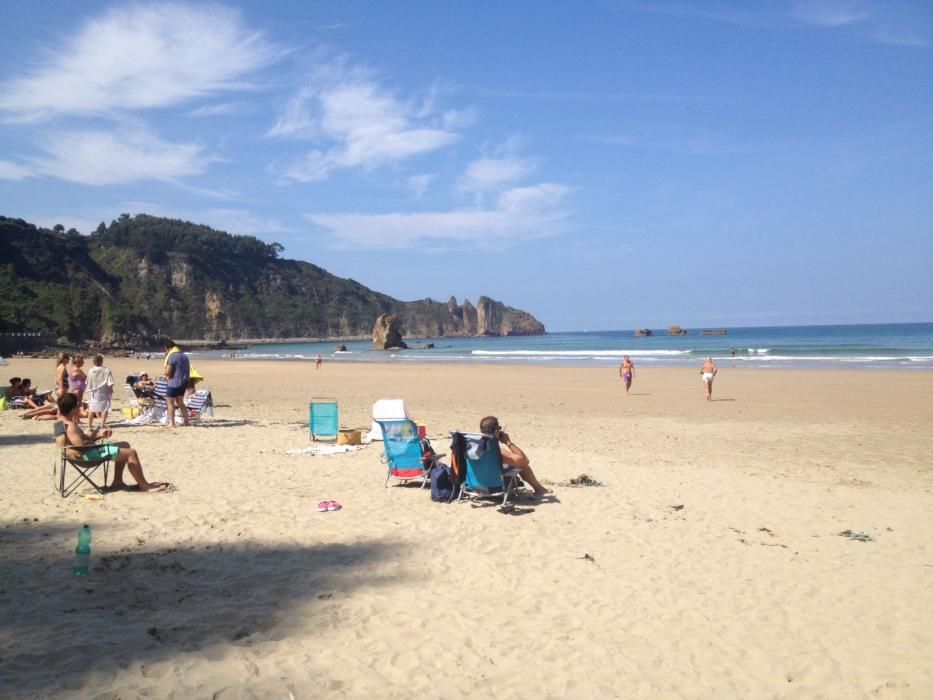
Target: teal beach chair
405, 456
323, 418
485, 476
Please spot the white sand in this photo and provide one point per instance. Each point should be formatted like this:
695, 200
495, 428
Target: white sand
235, 586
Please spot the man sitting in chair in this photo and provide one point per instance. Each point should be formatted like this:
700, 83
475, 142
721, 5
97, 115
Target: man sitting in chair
512, 454
121, 453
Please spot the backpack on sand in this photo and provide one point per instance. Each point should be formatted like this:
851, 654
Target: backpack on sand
442, 483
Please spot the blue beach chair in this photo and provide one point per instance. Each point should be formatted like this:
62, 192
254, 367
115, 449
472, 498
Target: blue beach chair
485, 475
323, 418
405, 456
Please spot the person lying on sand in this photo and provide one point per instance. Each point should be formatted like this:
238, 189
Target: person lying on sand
512, 454
121, 453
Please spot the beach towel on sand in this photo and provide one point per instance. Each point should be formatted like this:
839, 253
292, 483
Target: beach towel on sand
325, 450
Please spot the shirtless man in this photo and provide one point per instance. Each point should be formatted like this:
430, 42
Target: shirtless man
121, 453
627, 372
709, 370
512, 454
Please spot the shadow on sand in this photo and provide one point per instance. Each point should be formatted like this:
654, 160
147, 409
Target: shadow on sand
141, 607
10, 440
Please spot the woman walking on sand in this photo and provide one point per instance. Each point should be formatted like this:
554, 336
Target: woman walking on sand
627, 372
709, 370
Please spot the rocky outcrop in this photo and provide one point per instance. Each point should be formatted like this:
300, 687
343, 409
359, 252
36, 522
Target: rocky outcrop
676, 330
495, 318
643, 333
387, 333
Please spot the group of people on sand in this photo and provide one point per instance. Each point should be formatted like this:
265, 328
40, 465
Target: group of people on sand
708, 370
66, 404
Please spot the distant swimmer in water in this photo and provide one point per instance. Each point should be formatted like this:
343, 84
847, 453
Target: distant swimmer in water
627, 372
709, 370
733, 352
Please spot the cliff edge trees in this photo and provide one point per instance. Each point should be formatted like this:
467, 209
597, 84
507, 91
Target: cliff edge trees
144, 276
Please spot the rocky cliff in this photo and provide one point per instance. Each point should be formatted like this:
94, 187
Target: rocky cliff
145, 276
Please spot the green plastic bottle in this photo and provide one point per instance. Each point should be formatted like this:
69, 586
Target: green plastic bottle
83, 552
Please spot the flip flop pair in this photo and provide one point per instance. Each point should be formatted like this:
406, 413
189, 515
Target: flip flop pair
325, 506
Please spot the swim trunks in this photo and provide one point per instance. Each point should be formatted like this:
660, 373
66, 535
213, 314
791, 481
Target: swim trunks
627, 376
101, 452
708, 376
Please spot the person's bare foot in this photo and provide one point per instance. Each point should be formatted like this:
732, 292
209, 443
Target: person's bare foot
154, 487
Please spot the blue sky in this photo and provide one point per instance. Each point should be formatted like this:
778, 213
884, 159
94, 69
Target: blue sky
600, 164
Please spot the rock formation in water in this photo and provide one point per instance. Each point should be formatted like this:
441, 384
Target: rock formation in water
387, 333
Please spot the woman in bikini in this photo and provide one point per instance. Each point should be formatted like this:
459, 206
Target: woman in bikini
50, 411
627, 372
77, 379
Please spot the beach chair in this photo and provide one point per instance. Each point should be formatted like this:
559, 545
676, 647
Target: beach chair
485, 476
387, 409
84, 470
405, 454
200, 405
323, 418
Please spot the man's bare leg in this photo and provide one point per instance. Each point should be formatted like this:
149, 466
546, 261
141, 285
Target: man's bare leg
180, 403
529, 476
170, 408
128, 457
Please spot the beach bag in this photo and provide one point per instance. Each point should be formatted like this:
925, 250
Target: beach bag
3, 403
442, 483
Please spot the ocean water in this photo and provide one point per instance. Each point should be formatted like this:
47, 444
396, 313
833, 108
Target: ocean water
907, 346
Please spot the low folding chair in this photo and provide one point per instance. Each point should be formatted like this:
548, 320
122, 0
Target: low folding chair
84, 470
200, 405
485, 477
323, 418
405, 456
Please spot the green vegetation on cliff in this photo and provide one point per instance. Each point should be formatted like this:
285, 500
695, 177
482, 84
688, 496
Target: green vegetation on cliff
145, 276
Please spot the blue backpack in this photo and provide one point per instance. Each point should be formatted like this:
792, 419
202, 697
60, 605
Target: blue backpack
442, 483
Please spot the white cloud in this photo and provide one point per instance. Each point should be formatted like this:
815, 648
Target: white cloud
418, 184
138, 57
488, 174
104, 158
358, 123
12, 171
830, 13
222, 109
520, 214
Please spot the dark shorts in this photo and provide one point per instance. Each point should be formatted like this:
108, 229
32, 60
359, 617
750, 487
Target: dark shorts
173, 391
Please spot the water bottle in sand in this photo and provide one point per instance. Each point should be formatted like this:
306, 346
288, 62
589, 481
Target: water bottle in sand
83, 552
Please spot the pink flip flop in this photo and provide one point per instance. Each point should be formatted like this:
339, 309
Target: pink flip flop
322, 506
333, 505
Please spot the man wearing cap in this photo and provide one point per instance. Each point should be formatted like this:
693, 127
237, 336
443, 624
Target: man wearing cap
178, 371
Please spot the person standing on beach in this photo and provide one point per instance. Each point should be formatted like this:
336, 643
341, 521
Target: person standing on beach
627, 372
317, 362
100, 390
709, 370
178, 371
512, 454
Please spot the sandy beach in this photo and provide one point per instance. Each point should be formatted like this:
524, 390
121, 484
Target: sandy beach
708, 564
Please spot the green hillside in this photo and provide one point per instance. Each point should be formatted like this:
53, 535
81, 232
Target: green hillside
145, 276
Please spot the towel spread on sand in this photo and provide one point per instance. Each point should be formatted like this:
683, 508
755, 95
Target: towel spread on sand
325, 450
